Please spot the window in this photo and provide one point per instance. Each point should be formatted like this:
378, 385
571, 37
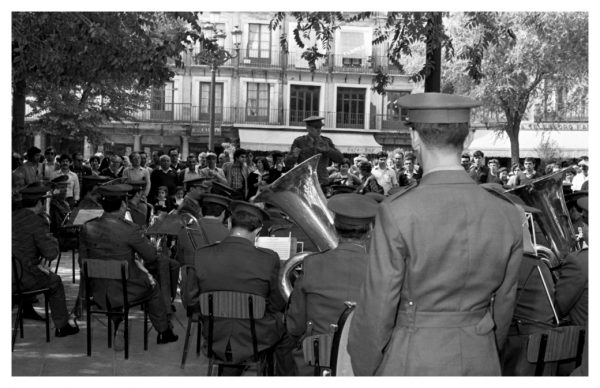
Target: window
395, 114
350, 108
257, 102
259, 42
353, 50
304, 102
162, 102
205, 101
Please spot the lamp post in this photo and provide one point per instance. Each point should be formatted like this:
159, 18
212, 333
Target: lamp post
214, 56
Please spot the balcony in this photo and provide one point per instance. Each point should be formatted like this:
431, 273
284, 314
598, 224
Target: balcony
259, 58
352, 64
295, 61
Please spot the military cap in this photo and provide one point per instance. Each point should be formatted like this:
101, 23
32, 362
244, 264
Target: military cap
352, 210
216, 199
342, 189
60, 180
35, 191
136, 186
236, 206
116, 181
194, 181
376, 196
114, 191
438, 108
221, 189
313, 118
95, 179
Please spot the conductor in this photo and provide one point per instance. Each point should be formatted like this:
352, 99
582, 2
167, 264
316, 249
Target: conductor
312, 144
440, 285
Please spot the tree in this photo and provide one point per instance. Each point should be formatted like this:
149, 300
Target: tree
546, 46
77, 70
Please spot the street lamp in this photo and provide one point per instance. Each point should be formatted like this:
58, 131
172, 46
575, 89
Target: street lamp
214, 56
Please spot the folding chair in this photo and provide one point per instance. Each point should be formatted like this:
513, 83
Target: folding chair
66, 233
564, 343
192, 308
114, 270
317, 350
20, 296
340, 359
234, 305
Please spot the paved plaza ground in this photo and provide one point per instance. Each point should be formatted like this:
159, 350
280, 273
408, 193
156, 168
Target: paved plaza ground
33, 356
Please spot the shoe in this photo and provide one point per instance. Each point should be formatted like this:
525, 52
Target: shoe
30, 313
66, 330
166, 336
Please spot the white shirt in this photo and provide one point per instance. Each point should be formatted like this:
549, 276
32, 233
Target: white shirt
72, 183
578, 181
386, 178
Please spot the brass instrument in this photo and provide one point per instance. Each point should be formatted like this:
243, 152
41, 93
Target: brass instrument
546, 194
298, 194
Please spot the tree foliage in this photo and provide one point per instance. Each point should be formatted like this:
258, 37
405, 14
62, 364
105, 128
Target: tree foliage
545, 47
81, 69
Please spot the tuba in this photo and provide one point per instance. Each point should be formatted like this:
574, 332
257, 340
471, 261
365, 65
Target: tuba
298, 194
546, 194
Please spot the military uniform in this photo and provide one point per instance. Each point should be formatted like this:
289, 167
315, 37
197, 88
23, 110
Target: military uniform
330, 278
31, 239
111, 237
440, 284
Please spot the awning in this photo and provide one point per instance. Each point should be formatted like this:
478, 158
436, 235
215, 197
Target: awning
281, 140
535, 144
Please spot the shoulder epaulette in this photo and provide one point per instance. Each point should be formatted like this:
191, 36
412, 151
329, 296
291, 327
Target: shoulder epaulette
401, 192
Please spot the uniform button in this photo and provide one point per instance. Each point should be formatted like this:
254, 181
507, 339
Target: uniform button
410, 303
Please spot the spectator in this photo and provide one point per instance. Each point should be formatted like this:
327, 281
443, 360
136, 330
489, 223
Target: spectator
409, 174
529, 174
516, 169
105, 162
137, 173
237, 174
201, 160
163, 202
179, 194
223, 159
503, 175
465, 161
385, 176
164, 175
95, 165
493, 166
398, 163
344, 176
355, 168
72, 191
582, 176
28, 172
144, 160
258, 177
114, 169
478, 171
80, 169
154, 164
191, 170
278, 167
368, 181
211, 171
49, 165
174, 156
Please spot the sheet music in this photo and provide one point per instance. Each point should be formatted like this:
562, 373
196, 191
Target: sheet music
284, 246
84, 215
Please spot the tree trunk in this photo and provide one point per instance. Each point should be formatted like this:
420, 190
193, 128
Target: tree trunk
434, 55
18, 114
513, 125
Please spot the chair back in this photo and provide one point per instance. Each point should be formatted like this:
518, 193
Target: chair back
17, 273
106, 269
233, 304
340, 358
317, 349
561, 343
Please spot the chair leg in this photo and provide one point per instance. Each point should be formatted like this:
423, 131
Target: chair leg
110, 331
199, 336
57, 262
539, 367
46, 297
186, 343
73, 266
126, 333
89, 329
21, 317
210, 367
17, 323
146, 327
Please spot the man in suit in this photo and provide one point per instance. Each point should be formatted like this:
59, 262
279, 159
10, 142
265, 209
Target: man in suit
32, 244
479, 171
332, 277
209, 229
444, 256
111, 237
235, 264
312, 144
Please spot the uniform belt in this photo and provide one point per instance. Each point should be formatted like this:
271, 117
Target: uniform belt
410, 318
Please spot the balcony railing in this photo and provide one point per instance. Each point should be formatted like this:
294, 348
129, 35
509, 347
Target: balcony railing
352, 64
259, 58
295, 61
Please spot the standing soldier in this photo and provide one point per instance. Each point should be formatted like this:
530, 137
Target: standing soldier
440, 285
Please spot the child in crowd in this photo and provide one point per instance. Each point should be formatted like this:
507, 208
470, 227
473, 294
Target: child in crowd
163, 202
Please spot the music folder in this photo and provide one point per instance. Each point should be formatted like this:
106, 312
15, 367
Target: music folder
285, 247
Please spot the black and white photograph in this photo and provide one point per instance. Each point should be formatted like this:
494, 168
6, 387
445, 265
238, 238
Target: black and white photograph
300, 190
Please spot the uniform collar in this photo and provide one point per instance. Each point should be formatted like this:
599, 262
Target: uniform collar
447, 177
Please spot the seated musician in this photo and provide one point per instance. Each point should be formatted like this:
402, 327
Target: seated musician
235, 264
31, 240
195, 188
91, 199
209, 229
332, 277
111, 237
59, 207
